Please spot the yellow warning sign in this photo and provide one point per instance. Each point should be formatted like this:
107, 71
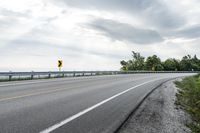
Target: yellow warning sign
60, 63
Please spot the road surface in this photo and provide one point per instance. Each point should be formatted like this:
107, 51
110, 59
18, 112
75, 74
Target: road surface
73, 105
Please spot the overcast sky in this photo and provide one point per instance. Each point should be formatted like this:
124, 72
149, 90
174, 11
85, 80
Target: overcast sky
94, 34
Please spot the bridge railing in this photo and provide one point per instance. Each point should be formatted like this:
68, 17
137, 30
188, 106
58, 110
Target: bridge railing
9, 76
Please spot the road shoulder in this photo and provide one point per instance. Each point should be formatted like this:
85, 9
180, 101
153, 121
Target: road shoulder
158, 114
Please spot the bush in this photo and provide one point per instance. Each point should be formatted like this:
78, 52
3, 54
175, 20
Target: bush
188, 97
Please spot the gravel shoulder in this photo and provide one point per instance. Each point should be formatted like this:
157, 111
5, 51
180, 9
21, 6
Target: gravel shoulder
158, 114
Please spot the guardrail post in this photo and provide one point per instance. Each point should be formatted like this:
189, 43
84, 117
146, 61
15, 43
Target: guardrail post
31, 76
10, 77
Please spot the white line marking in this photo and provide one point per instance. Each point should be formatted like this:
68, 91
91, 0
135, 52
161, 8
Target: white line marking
54, 127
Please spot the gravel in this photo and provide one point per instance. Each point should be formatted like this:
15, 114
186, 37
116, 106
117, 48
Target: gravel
158, 114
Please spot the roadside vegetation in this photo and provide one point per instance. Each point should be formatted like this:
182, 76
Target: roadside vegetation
154, 63
188, 97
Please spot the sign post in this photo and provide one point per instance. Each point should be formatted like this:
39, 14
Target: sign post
60, 64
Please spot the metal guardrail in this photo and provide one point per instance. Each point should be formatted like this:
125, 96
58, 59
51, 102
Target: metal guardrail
54, 74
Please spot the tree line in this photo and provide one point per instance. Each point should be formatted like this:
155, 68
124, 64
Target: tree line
154, 63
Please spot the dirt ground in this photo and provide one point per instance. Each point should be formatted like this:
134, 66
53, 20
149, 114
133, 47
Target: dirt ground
158, 114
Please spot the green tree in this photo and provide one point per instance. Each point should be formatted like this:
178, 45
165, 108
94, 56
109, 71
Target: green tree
190, 64
195, 63
137, 62
171, 65
124, 65
185, 63
153, 63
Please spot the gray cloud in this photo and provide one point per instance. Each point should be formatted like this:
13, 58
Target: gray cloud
189, 32
154, 12
125, 32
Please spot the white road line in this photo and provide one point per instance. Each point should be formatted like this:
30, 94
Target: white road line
54, 127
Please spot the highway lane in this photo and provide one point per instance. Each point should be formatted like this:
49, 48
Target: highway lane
82, 105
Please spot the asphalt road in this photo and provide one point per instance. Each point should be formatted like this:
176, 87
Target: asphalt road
73, 105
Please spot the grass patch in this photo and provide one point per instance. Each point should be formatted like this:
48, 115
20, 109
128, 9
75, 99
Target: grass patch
188, 97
